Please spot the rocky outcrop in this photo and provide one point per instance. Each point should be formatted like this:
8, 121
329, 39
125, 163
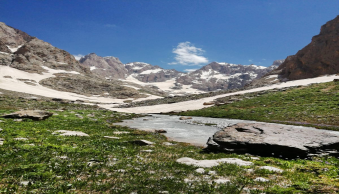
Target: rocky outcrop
266, 139
24, 52
105, 67
90, 86
320, 57
35, 115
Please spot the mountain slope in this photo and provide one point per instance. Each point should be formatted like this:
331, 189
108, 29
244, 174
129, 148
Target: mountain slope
320, 57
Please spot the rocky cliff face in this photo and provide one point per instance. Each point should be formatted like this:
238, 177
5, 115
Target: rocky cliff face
105, 67
320, 57
24, 52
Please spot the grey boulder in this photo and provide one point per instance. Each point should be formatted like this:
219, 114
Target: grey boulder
277, 140
35, 115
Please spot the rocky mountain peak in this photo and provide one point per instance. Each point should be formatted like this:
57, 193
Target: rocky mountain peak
320, 57
105, 67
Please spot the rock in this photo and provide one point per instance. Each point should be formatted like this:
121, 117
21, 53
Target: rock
200, 170
168, 144
120, 132
148, 151
221, 181
261, 179
209, 103
35, 115
286, 141
185, 118
2, 141
70, 133
270, 168
17, 120
142, 142
320, 57
1, 129
111, 137
211, 163
20, 139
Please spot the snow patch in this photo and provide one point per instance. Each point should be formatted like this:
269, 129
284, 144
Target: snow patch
14, 49
150, 71
92, 68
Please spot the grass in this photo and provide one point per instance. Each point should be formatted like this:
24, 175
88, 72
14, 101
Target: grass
316, 106
47, 163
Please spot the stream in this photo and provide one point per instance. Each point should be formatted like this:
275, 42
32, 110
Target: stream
195, 131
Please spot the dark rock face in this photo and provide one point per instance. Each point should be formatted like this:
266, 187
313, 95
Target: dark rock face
35, 115
276, 140
320, 57
27, 53
106, 67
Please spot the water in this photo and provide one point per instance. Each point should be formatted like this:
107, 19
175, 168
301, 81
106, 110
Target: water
194, 131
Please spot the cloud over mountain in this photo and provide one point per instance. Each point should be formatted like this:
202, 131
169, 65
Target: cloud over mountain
188, 54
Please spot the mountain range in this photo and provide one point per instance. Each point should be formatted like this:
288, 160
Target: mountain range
108, 76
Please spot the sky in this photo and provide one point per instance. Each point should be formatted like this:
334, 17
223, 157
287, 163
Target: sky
174, 34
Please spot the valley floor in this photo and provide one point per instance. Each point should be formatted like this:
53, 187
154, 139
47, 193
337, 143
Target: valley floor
111, 159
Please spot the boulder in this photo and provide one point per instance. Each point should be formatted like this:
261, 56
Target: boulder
35, 115
70, 133
211, 163
209, 103
277, 140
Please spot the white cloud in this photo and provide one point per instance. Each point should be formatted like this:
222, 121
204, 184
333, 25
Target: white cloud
189, 70
78, 56
250, 60
187, 54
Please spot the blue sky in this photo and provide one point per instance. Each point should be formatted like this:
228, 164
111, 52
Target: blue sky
179, 34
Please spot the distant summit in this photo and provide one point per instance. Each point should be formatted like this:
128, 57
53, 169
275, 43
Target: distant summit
320, 57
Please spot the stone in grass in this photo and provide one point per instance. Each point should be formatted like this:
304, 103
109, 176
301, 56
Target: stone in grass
168, 144
111, 137
70, 133
35, 115
148, 151
270, 168
25, 183
142, 142
120, 132
185, 118
211, 163
2, 141
200, 170
20, 139
1, 129
221, 181
261, 179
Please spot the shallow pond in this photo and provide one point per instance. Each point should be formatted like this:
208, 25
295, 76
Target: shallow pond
194, 131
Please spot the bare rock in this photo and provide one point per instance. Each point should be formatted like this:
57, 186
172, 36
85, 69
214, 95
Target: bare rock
267, 139
209, 103
270, 168
35, 115
142, 142
320, 57
70, 133
211, 163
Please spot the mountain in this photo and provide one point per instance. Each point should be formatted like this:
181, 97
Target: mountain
24, 52
214, 76
106, 67
148, 73
320, 57
223, 76
57, 69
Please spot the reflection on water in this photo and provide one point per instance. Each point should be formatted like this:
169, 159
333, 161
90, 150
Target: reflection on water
194, 131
